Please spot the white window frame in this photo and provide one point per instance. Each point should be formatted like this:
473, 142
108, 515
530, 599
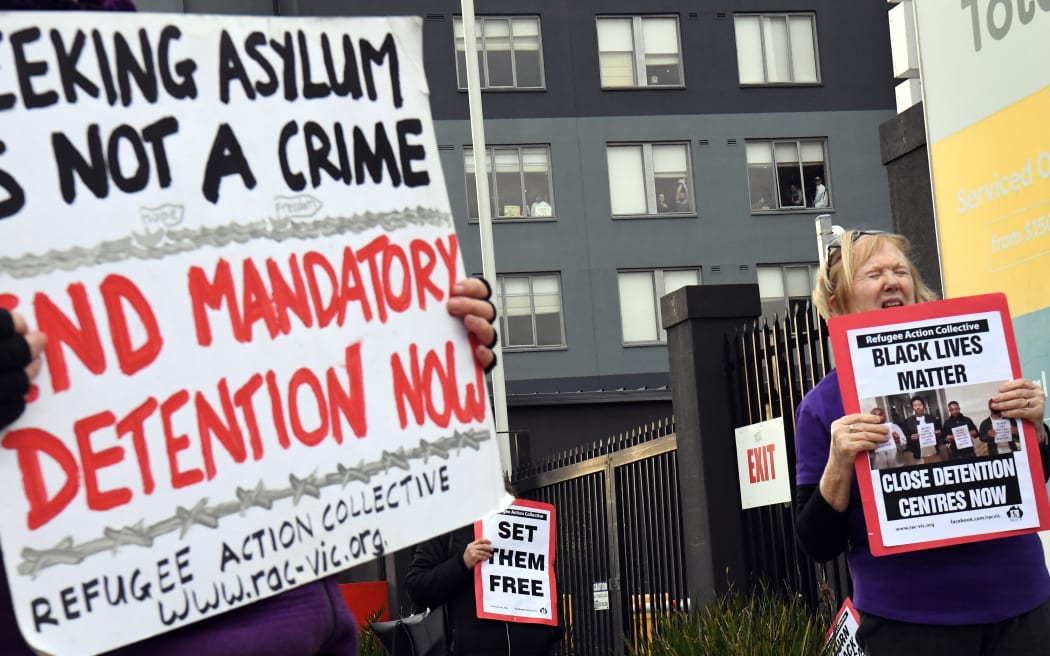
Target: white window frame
659, 289
479, 32
503, 313
778, 193
811, 267
525, 215
649, 178
638, 52
765, 20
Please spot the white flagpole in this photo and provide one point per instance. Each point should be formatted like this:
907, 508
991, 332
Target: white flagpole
481, 178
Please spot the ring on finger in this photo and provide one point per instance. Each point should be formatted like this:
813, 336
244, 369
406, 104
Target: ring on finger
1028, 403
851, 427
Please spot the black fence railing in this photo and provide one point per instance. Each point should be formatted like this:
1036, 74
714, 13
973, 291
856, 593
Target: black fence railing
619, 553
771, 365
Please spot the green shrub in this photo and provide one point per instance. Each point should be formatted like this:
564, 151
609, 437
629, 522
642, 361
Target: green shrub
369, 643
766, 623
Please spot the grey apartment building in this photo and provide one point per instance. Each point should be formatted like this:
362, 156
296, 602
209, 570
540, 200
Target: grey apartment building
635, 146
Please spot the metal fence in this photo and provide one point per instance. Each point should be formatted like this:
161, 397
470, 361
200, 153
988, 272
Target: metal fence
619, 553
770, 366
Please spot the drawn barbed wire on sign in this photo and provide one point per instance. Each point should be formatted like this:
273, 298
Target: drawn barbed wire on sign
66, 552
157, 245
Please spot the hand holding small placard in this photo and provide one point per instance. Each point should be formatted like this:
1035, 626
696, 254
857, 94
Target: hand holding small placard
927, 435
517, 583
962, 437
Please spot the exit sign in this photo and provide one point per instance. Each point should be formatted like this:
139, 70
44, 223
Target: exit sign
762, 464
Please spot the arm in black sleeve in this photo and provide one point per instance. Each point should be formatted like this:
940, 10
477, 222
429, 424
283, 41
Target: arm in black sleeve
1044, 454
820, 530
436, 575
982, 432
14, 383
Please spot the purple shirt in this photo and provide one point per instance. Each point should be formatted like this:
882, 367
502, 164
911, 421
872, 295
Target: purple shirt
972, 583
68, 5
311, 620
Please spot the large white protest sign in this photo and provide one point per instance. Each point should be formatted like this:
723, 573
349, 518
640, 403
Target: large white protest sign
517, 583
912, 357
235, 233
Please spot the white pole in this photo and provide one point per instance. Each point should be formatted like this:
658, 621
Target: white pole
825, 233
488, 258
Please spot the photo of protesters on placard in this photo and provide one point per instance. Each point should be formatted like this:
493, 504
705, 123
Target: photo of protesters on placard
941, 425
893, 452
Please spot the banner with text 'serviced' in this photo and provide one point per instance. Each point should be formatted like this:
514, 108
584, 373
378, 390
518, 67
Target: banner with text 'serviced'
236, 235
917, 359
517, 583
989, 148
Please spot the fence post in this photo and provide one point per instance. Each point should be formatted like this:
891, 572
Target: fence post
520, 449
698, 319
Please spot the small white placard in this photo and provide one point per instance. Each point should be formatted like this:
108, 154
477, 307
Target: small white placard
842, 636
601, 595
1002, 430
962, 437
927, 435
761, 453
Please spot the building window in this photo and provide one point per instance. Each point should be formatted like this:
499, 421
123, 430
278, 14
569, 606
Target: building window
639, 51
787, 174
647, 179
777, 48
640, 293
785, 288
530, 311
510, 55
519, 182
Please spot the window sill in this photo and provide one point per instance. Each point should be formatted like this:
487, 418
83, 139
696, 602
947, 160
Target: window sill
789, 210
506, 89
518, 219
762, 85
650, 87
534, 349
665, 215
643, 344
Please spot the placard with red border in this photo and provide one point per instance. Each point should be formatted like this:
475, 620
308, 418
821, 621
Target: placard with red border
841, 639
954, 350
517, 583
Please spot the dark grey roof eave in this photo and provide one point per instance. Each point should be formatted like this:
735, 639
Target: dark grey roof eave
590, 397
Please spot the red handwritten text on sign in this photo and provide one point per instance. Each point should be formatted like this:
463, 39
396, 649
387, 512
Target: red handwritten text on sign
760, 463
304, 408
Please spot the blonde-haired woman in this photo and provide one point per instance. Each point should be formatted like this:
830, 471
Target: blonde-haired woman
982, 598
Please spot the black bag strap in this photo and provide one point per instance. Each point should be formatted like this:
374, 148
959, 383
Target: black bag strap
408, 637
447, 615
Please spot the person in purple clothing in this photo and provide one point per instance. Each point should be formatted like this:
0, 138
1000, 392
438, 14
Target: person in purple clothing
68, 5
985, 598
